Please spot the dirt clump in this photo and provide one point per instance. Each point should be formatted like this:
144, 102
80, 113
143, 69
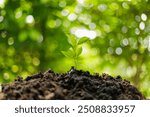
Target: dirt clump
73, 85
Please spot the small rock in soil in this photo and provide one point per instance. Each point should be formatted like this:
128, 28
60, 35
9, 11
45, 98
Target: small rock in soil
73, 85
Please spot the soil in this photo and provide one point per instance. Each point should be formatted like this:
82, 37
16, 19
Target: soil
73, 85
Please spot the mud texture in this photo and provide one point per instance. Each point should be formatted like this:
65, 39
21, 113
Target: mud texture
73, 85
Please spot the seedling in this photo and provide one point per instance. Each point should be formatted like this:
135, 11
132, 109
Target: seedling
75, 49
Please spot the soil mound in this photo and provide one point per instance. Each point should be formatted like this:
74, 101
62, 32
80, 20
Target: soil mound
73, 85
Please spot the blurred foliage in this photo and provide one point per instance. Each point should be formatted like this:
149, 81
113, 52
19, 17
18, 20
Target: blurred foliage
33, 34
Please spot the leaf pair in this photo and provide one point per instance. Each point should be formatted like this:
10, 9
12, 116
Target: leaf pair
75, 50
82, 40
73, 41
71, 54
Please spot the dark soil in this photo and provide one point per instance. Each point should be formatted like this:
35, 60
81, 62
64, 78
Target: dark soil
73, 85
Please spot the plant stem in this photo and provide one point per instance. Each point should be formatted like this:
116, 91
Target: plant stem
75, 62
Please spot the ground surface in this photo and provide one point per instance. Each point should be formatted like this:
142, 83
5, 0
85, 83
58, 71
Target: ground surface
75, 84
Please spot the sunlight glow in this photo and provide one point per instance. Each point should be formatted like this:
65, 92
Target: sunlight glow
72, 17
125, 42
142, 25
80, 1
102, 7
64, 12
118, 51
92, 25
144, 17
79, 32
29, 19
2, 3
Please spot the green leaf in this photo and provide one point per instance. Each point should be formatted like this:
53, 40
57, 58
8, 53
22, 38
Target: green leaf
69, 53
65, 53
72, 40
82, 40
79, 51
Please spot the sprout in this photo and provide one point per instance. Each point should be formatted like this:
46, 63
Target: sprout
76, 49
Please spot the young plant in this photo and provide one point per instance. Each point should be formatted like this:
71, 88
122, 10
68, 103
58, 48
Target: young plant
75, 49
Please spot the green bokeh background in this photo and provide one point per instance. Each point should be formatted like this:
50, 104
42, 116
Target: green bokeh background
33, 34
